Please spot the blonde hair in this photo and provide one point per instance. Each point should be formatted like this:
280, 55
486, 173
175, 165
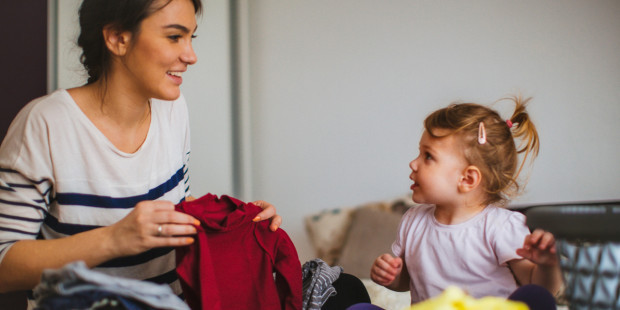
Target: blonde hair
498, 157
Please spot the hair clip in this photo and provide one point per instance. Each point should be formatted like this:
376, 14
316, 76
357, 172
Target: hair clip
482, 134
509, 123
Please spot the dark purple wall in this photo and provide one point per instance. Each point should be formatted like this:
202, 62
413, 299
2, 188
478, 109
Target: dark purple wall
23, 24
23, 55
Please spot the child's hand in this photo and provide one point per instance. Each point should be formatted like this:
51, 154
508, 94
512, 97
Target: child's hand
539, 248
386, 269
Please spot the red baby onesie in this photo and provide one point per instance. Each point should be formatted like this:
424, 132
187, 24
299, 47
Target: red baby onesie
231, 264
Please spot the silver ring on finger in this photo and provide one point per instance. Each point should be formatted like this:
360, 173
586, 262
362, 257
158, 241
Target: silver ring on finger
160, 230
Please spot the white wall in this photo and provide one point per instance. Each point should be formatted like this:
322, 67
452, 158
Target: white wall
339, 90
206, 86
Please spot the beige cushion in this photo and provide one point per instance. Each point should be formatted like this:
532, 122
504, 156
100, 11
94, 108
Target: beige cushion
372, 232
327, 231
386, 298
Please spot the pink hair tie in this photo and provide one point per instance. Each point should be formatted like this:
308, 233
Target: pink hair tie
509, 123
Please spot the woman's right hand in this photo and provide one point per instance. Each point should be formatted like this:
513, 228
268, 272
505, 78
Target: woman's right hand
151, 224
386, 269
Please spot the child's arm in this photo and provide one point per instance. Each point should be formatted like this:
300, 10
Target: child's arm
540, 264
390, 272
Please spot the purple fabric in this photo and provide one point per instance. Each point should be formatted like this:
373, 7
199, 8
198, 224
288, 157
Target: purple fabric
364, 306
536, 297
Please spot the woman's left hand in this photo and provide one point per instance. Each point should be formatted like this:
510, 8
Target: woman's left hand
269, 212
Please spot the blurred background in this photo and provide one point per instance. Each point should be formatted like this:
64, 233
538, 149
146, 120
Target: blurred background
314, 105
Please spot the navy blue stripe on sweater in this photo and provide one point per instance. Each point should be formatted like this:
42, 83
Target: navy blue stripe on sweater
15, 171
136, 259
19, 231
5, 188
21, 218
21, 185
66, 228
22, 204
78, 199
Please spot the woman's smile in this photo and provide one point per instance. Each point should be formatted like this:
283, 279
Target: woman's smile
176, 76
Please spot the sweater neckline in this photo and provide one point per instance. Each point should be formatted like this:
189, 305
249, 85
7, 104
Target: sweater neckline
83, 118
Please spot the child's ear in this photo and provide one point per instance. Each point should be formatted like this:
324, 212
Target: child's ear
470, 179
115, 40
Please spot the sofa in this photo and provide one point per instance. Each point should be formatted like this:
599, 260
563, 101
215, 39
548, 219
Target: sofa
352, 237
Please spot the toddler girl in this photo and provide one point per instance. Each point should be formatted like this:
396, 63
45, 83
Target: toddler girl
466, 170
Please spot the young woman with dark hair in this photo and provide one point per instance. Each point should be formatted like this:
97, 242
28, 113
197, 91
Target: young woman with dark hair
93, 173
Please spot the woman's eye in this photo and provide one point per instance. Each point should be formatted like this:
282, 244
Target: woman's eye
177, 37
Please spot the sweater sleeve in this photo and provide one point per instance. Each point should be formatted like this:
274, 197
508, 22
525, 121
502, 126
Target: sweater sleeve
26, 179
288, 272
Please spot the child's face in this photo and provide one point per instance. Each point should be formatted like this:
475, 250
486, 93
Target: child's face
438, 170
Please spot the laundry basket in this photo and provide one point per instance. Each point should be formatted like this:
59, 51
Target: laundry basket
588, 245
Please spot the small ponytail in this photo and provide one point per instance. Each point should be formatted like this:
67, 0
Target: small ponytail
524, 130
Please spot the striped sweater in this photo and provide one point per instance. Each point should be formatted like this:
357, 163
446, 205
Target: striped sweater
59, 176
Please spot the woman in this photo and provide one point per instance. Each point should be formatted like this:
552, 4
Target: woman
92, 173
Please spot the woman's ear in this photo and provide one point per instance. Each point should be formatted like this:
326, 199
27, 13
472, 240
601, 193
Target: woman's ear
116, 41
470, 179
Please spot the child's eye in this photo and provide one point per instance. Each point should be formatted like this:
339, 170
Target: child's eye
428, 156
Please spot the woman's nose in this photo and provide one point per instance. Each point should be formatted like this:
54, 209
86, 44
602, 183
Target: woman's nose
189, 56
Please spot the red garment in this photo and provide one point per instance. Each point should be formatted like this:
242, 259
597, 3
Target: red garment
232, 262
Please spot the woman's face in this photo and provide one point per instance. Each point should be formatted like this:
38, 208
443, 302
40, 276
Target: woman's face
161, 50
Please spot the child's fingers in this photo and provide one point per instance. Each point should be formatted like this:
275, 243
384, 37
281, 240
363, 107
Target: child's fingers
527, 242
379, 280
536, 235
385, 257
552, 248
381, 276
539, 255
396, 262
533, 239
546, 241
524, 253
387, 264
